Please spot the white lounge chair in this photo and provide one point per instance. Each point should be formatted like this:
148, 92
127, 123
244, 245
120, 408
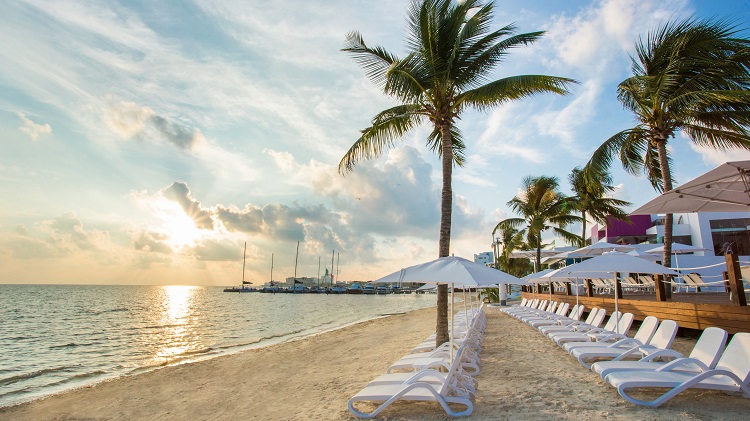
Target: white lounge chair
704, 356
732, 374
594, 319
617, 321
449, 392
662, 339
642, 336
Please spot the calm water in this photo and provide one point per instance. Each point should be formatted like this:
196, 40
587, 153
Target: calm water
57, 337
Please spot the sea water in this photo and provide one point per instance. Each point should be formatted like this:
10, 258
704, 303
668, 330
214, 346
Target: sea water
57, 337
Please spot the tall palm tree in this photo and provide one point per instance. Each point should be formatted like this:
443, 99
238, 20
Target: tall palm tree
591, 199
542, 207
451, 54
690, 76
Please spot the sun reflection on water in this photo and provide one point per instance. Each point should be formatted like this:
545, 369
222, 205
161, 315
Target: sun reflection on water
177, 309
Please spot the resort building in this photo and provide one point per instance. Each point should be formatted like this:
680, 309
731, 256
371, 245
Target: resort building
486, 258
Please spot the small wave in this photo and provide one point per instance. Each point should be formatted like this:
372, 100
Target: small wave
25, 376
77, 377
72, 345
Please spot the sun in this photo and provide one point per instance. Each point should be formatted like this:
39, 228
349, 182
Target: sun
178, 227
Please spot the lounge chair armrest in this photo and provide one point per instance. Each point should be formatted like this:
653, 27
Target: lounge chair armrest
613, 337
629, 352
626, 342
682, 362
662, 353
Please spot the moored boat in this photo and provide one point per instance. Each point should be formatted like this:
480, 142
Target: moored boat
369, 289
354, 288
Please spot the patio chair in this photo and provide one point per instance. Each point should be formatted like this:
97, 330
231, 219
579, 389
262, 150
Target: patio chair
662, 339
732, 374
704, 356
573, 316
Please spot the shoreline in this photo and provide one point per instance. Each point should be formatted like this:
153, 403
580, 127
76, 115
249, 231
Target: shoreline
129, 397
524, 376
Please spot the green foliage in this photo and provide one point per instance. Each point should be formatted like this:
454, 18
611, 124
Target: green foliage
451, 53
590, 199
690, 76
542, 207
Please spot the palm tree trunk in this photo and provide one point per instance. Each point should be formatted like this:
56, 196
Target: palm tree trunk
583, 229
538, 260
661, 145
446, 210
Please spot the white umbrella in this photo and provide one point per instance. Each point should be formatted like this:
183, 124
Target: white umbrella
677, 248
453, 271
598, 249
723, 189
616, 262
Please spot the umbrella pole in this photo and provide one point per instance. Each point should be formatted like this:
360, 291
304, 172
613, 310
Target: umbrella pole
617, 315
466, 311
451, 339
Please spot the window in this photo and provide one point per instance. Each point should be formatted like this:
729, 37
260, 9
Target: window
732, 234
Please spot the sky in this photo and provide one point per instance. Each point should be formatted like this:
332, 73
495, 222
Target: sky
145, 142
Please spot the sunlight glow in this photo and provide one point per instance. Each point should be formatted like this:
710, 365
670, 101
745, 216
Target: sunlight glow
177, 226
176, 306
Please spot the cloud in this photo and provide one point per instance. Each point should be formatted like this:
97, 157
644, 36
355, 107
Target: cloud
715, 157
59, 237
32, 129
130, 120
180, 193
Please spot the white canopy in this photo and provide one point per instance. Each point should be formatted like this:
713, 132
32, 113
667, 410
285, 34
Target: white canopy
677, 248
616, 262
598, 248
452, 270
723, 189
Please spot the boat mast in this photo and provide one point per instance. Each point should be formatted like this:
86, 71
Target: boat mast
318, 272
333, 254
338, 259
271, 269
243, 264
295, 264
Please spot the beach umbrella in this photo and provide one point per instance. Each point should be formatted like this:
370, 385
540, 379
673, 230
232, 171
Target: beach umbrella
597, 249
723, 189
453, 271
677, 248
615, 262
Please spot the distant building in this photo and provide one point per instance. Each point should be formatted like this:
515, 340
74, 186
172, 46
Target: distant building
486, 258
304, 280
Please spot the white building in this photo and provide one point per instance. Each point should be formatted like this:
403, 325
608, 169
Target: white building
486, 258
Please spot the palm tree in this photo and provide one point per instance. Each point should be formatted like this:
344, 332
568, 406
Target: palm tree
451, 54
542, 207
591, 199
690, 76
511, 239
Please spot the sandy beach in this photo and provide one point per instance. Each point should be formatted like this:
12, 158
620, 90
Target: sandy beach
524, 376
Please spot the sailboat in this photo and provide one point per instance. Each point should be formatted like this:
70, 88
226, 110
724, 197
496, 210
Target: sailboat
271, 287
245, 286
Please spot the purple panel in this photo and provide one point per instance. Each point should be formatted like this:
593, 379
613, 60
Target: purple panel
638, 226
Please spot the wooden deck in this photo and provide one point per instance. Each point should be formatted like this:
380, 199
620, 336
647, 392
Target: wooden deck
689, 310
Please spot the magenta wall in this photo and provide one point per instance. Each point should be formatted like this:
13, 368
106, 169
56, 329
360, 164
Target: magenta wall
615, 228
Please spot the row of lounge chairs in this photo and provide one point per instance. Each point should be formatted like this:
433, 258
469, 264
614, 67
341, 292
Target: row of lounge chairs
444, 374
646, 360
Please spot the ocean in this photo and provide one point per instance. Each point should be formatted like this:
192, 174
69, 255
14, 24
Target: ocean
58, 337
